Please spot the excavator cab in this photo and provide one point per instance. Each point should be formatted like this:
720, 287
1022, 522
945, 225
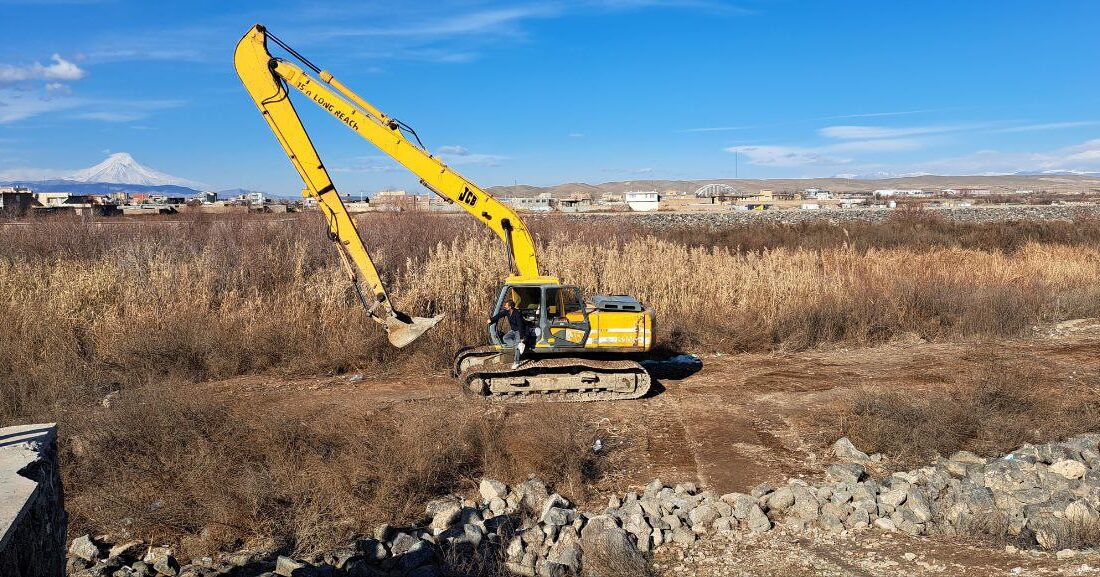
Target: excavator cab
556, 314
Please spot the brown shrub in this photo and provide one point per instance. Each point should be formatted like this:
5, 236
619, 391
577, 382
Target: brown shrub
999, 405
168, 466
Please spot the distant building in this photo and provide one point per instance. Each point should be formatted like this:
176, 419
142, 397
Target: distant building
888, 192
399, 201
816, 194
15, 200
539, 204
51, 199
810, 206
643, 201
966, 191
208, 197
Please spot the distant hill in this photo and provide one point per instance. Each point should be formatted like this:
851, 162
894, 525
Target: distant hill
1005, 183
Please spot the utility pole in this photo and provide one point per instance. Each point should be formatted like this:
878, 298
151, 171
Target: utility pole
735, 164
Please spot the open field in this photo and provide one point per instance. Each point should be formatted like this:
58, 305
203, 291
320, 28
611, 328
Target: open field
233, 345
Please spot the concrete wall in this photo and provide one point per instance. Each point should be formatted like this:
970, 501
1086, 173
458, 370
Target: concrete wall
32, 508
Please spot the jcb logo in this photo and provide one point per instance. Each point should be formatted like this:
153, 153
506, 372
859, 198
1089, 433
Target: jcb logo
468, 197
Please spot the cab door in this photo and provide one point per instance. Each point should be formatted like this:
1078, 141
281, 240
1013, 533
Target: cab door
566, 319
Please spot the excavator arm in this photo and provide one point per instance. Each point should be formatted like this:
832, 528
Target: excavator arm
267, 79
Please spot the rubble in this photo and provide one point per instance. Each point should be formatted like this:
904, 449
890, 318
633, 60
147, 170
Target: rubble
1037, 495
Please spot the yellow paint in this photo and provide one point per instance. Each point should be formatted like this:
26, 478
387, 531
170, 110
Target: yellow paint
267, 80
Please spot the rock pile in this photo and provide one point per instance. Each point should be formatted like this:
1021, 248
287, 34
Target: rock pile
978, 214
1044, 496
1041, 495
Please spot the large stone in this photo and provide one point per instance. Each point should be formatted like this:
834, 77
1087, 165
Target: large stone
418, 555
758, 522
781, 499
128, 550
532, 494
650, 506
893, 497
443, 512
1080, 512
847, 452
916, 503
845, 473
491, 489
83, 548
567, 550
402, 542
287, 567
686, 488
373, 550
740, 503
166, 565
683, 536
636, 525
604, 545
558, 516
885, 524
805, 504
702, 517
1069, 469
556, 511
653, 488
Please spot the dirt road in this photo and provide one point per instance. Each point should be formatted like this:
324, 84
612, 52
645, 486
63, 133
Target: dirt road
730, 423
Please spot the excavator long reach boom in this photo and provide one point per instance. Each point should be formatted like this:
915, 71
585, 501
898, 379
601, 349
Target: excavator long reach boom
576, 347
267, 79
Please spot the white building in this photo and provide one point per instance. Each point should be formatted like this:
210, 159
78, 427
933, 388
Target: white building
530, 204
816, 194
51, 198
886, 192
643, 201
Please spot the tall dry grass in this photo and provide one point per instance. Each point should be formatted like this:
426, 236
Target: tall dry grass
151, 307
89, 309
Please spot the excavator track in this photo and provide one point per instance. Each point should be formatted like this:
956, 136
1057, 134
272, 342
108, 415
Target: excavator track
487, 372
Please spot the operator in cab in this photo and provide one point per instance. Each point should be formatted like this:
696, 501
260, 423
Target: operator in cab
517, 329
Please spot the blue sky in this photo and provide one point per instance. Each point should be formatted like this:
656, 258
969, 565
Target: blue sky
575, 90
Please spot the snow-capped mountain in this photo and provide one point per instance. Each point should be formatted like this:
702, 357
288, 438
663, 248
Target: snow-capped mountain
121, 168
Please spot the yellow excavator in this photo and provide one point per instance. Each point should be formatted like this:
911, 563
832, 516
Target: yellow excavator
579, 350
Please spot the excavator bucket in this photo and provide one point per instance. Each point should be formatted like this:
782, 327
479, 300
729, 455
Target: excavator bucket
402, 332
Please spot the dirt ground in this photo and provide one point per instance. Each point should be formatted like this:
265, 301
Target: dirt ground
732, 423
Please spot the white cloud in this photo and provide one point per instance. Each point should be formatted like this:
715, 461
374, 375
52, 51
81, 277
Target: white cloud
716, 129
496, 21
865, 132
16, 105
877, 145
576, 135
33, 174
368, 165
827, 155
1078, 158
776, 155
61, 69
457, 155
107, 116
1048, 126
